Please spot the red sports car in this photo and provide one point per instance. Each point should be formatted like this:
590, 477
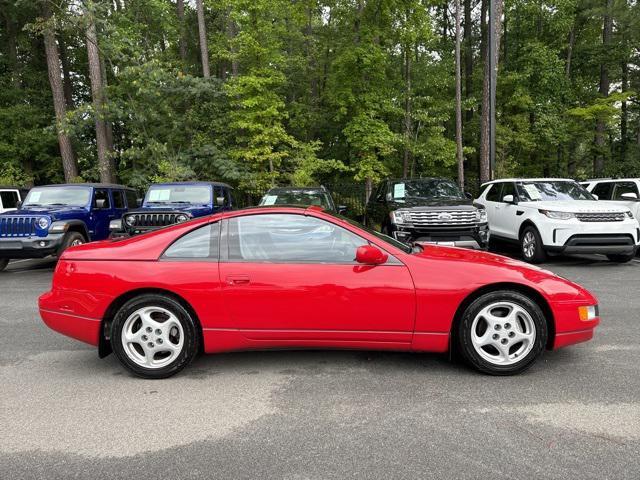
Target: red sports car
289, 277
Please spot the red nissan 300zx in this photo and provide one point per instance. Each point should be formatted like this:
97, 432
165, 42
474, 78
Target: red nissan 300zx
291, 277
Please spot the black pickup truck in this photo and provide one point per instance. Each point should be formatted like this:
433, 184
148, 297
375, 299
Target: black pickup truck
427, 210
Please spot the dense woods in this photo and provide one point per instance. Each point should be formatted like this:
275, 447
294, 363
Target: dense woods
258, 92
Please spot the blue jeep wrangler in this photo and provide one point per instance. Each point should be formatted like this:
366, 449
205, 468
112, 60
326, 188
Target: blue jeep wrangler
55, 217
169, 203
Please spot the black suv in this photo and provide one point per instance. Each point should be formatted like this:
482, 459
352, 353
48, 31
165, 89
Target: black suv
319, 196
430, 210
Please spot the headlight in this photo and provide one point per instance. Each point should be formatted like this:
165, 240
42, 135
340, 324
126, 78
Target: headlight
558, 215
182, 218
629, 214
130, 220
398, 217
588, 313
115, 225
481, 215
43, 223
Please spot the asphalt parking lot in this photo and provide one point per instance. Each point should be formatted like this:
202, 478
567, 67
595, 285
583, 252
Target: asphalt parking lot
321, 414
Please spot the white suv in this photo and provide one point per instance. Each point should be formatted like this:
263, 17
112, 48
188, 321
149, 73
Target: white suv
619, 191
549, 215
10, 197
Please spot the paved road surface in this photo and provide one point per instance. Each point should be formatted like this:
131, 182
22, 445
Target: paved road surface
66, 414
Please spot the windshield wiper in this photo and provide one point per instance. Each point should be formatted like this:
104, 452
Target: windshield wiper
160, 203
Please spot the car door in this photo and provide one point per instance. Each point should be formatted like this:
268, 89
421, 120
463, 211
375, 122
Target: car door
620, 189
102, 213
506, 214
8, 200
491, 201
119, 203
293, 278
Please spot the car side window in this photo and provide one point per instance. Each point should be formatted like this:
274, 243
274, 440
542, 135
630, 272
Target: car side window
101, 195
624, 187
603, 190
132, 199
493, 195
507, 189
290, 238
118, 199
9, 199
199, 243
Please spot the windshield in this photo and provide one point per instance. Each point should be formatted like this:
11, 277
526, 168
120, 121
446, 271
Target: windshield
432, 189
298, 197
551, 191
381, 236
67, 196
193, 194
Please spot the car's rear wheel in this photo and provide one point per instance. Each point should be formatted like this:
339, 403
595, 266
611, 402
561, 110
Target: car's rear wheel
621, 258
154, 336
71, 239
3, 263
502, 333
531, 246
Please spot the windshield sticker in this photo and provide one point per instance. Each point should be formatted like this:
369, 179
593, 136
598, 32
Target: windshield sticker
157, 195
35, 197
532, 191
270, 200
398, 190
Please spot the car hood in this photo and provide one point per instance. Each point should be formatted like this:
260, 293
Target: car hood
429, 204
53, 212
576, 206
195, 210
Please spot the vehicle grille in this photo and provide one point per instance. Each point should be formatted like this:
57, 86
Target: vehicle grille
444, 217
17, 226
600, 217
151, 220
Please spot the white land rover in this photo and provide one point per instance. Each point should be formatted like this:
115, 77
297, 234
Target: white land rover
548, 215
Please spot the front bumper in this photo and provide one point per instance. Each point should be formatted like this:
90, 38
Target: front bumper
475, 237
30, 247
573, 236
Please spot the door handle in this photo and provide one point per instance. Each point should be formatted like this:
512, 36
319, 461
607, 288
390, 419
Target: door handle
237, 279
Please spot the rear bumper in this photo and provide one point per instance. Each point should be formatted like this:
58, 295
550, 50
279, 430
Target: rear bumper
30, 247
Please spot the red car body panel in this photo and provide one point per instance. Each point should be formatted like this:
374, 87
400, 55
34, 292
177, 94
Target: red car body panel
408, 303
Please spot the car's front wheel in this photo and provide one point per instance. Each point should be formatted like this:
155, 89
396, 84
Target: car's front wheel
71, 239
3, 263
531, 246
154, 336
502, 333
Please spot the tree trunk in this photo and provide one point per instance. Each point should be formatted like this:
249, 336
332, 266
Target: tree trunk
12, 50
202, 32
607, 28
105, 160
407, 108
468, 57
182, 43
624, 113
69, 164
66, 78
485, 167
459, 154
571, 44
105, 100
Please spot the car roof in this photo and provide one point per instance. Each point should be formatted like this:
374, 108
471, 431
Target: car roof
215, 184
629, 179
87, 184
541, 179
418, 178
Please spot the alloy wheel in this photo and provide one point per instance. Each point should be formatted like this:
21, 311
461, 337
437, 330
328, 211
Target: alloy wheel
503, 333
152, 337
529, 244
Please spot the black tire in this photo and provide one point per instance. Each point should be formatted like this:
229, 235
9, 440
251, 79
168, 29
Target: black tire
70, 239
464, 333
191, 340
3, 263
621, 258
536, 254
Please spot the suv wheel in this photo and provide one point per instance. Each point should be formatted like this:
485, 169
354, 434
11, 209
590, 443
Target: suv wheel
502, 333
531, 246
621, 258
154, 336
3, 263
71, 239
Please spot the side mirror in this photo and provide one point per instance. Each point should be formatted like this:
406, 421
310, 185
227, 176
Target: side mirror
508, 199
101, 203
370, 255
629, 196
115, 225
19, 205
595, 196
468, 195
220, 201
342, 209
139, 202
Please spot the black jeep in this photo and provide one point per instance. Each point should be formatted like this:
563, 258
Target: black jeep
429, 210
